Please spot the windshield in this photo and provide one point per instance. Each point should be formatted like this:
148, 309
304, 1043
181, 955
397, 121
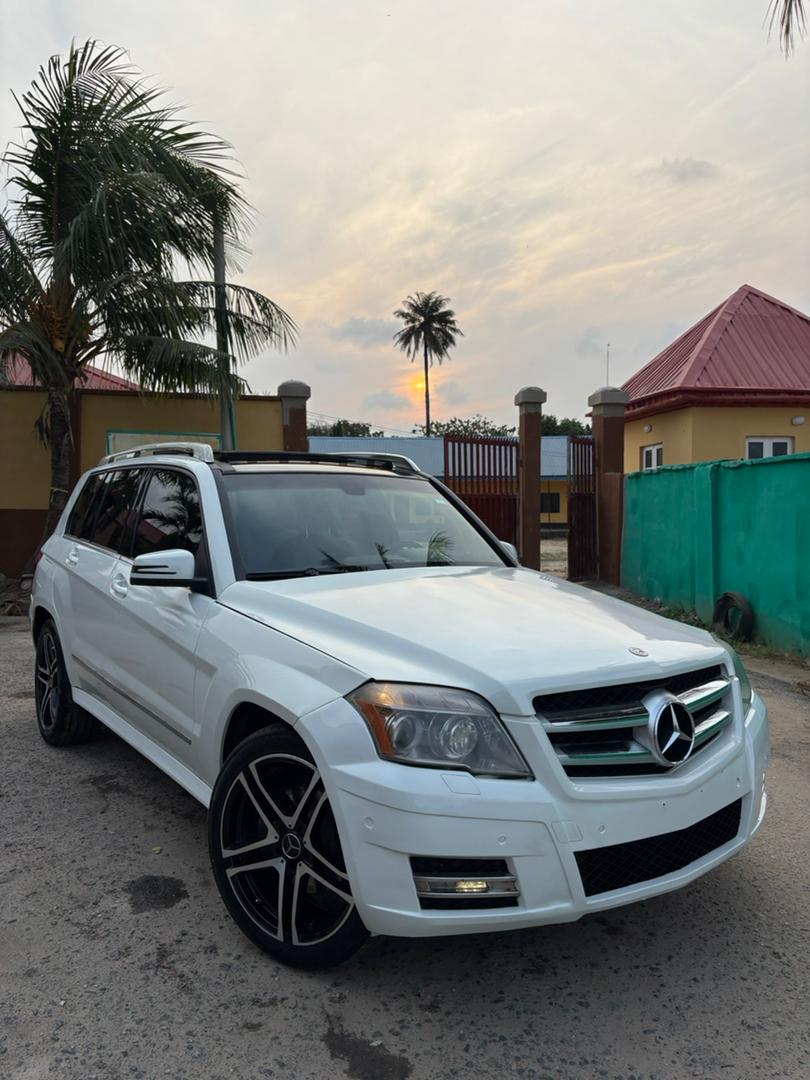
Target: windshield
293, 524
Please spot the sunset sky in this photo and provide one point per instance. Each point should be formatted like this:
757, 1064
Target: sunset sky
570, 174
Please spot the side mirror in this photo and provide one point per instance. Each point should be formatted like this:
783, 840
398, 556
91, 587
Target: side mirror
174, 567
510, 549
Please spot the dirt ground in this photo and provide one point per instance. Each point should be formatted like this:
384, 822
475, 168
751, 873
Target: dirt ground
118, 962
554, 556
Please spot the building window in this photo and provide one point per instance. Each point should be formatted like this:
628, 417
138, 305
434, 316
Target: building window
549, 502
776, 446
652, 457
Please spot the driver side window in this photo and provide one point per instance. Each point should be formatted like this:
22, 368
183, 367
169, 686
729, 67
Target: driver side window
170, 514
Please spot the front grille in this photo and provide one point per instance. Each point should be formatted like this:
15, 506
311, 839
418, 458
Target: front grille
619, 865
602, 731
613, 700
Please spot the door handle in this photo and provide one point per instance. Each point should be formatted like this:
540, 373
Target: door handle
72, 557
119, 585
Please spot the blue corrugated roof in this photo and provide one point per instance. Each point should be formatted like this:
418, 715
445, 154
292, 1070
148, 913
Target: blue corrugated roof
428, 453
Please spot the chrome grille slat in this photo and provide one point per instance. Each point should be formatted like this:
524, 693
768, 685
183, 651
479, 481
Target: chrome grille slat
621, 725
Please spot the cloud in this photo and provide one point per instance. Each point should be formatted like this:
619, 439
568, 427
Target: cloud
386, 399
591, 342
451, 393
367, 333
684, 170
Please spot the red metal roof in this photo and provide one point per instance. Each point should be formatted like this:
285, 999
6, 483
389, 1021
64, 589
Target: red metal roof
95, 378
751, 346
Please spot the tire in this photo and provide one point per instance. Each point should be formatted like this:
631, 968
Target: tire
734, 616
60, 721
276, 854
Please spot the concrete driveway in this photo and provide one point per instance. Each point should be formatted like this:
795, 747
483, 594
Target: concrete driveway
117, 959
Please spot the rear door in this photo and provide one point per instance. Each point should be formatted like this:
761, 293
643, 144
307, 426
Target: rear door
99, 524
157, 627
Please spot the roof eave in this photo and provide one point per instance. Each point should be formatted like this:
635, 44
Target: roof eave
670, 400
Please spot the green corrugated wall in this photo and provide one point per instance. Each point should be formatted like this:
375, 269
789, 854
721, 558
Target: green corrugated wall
692, 532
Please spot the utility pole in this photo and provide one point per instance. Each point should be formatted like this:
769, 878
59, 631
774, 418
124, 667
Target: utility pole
226, 417
607, 365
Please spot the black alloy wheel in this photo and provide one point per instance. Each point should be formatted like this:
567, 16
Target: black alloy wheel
61, 722
276, 853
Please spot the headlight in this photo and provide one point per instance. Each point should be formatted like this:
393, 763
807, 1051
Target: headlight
741, 673
431, 725
745, 682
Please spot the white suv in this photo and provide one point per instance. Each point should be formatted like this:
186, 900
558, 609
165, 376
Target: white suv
396, 728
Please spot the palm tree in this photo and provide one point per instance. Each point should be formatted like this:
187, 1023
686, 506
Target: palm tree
114, 194
789, 16
430, 328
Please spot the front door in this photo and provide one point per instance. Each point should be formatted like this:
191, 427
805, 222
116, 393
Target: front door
158, 626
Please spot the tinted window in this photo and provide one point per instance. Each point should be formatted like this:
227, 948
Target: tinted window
116, 516
84, 509
331, 523
170, 517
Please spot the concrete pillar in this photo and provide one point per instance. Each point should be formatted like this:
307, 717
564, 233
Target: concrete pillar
608, 405
294, 396
530, 401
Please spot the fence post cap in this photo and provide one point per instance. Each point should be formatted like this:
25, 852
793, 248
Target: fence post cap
530, 395
292, 388
609, 395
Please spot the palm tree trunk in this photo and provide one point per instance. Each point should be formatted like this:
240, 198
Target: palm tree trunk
427, 390
60, 441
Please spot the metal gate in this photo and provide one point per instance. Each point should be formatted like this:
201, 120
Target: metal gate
582, 549
484, 473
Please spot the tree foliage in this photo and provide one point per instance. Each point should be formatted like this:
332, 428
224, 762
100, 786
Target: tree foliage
112, 194
791, 20
479, 426
355, 428
429, 328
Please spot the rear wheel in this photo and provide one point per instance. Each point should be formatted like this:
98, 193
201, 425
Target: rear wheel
61, 722
276, 853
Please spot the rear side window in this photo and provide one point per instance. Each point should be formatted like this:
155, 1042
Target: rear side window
80, 522
115, 520
170, 515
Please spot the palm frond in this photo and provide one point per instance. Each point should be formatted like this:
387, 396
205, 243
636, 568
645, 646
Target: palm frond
791, 19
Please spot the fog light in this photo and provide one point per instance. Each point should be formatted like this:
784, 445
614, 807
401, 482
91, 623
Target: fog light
505, 885
472, 886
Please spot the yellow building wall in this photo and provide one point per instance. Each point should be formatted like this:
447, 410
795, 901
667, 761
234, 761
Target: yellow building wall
721, 433
673, 429
24, 461
709, 433
258, 421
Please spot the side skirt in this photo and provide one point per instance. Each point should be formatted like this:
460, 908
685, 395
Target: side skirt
182, 775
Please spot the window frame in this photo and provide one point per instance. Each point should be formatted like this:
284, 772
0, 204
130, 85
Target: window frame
659, 448
767, 445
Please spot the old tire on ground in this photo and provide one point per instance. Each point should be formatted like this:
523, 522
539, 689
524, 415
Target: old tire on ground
61, 722
734, 616
276, 854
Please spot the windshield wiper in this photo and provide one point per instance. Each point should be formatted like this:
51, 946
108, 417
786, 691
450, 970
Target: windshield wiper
311, 571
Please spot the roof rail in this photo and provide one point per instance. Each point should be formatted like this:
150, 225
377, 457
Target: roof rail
201, 451
393, 462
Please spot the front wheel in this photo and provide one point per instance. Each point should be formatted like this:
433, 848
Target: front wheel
276, 853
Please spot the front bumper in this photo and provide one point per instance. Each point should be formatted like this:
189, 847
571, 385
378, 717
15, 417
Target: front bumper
387, 812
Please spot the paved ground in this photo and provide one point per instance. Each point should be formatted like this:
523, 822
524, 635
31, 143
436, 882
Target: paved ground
118, 961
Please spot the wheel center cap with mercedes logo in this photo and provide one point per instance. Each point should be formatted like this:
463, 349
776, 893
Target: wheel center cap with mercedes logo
671, 731
291, 846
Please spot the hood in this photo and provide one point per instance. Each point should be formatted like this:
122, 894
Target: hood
506, 633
